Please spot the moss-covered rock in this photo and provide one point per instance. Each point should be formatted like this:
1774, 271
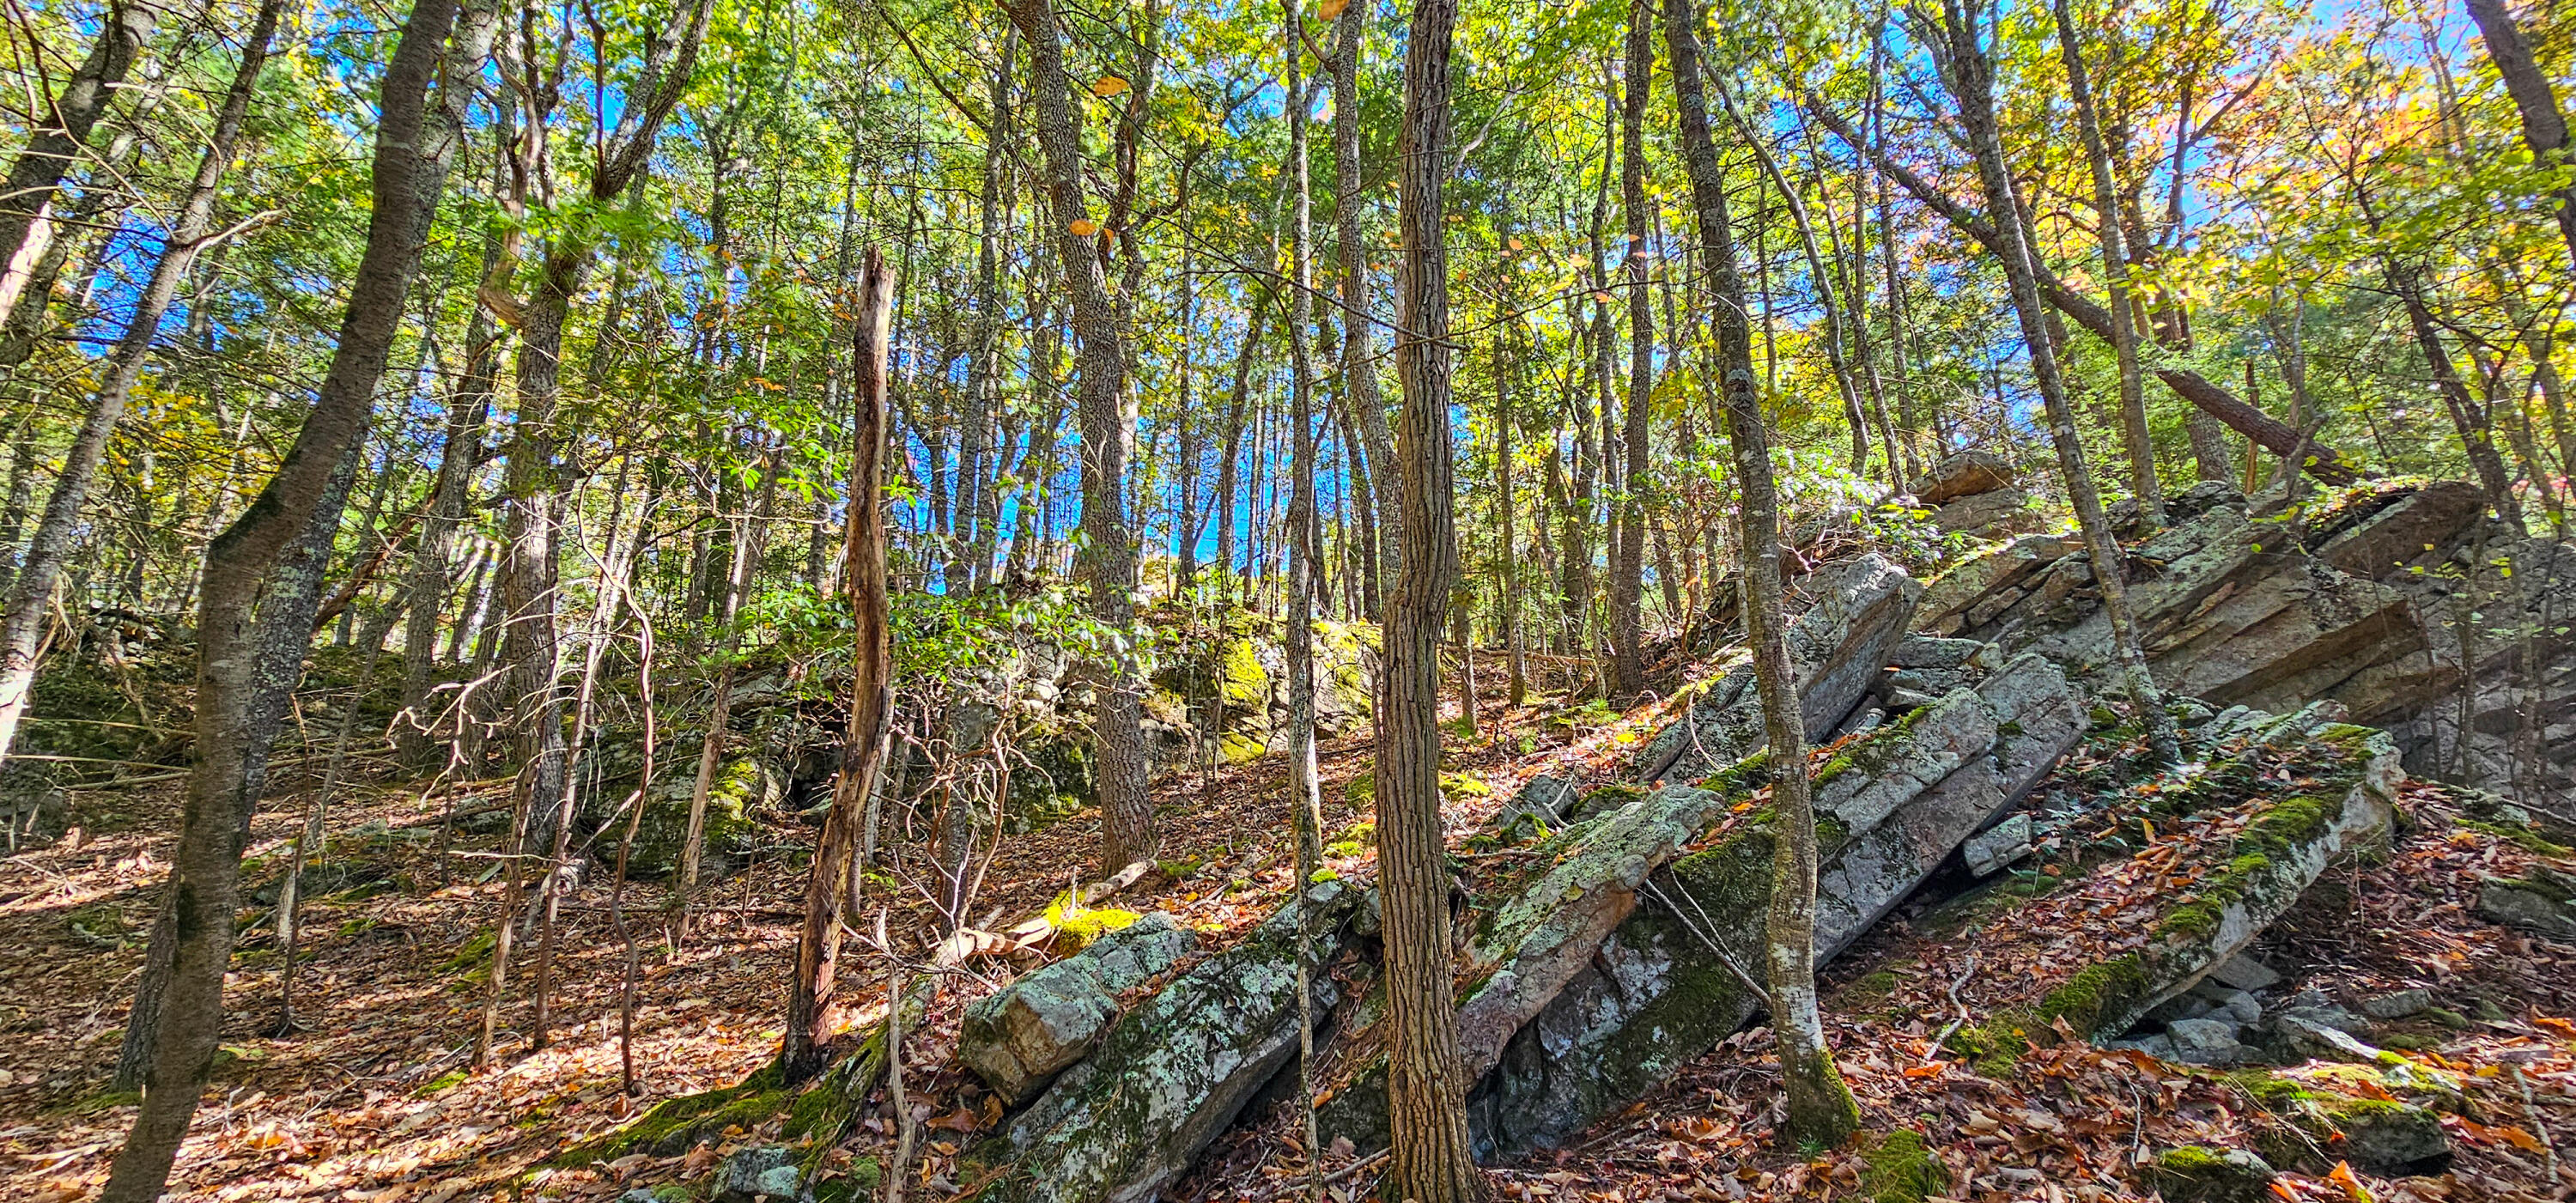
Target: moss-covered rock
742, 786
1171, 1075
2199, 1174
1901, 1169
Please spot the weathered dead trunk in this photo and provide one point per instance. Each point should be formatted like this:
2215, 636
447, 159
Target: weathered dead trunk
818, 946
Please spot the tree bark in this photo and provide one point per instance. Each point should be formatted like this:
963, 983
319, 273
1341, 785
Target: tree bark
2139, 443
32, 590
1426, 1087
1628, 537
810, 1002
26, 225
263, 579
1820, 1108
2544, 125
1969, 73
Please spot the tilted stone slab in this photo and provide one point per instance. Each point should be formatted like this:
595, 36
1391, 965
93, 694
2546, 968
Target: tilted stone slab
2035, 718
1854, 614
1172, 1074
1538, 939
1025, 1033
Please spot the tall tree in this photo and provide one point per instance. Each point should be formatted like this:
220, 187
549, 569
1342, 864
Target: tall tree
1959, 48
1102, 357
2115, 272
1628, 534
1820, 1107
2544, 124
32, 591
1359, 362
263, 578
1426, 1087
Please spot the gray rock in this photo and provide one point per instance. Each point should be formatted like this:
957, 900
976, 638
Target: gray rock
2243, 1008
2243, 972
2392, 1139
1926, 651
2203, 1175
2531, 906
2309, 1037
1987, 515
1172, 1074
1849, 617
1963, 474
2398, 1005
1997, 846
2205, 1042
1025, 1033
1545, 802
757, 1172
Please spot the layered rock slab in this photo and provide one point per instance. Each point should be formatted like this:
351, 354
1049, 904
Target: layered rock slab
1172, 1073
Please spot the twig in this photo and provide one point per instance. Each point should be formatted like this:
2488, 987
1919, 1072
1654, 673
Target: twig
1938, 1041
2531, 1108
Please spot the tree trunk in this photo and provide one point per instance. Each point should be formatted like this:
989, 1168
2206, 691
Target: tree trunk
2139, 443
1628, 536
818, 945
1426, 1086
1108, 555
2544, 126
13, 511
26, 225
264, 574
1969, 74
1820, 1108
1359, 363
1305, 795
1505, 365
31, 594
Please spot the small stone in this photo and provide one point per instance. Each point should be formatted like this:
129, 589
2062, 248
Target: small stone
2315, 1039
2205, 1042
2393, 1139
752, 1173
1998, 846
2244, 1008
2201, 1175
2245, 973
2399, 1005
2528, 906
1925, 651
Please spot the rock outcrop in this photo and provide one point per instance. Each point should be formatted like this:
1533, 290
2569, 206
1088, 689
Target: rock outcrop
1848, 617
2401, 600
1019, 1037
1172, 1073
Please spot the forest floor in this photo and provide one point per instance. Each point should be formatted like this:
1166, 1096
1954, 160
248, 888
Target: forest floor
374, 1097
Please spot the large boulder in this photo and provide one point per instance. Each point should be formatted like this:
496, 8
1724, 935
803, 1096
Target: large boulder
1172, 1073
1963, 474
1847, 618
1020, 1036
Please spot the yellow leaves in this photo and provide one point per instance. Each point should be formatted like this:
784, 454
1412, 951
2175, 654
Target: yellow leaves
1107, 86
1329, 10
1083, 227
2351, 1183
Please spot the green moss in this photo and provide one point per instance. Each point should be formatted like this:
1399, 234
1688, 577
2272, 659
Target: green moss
1241, 680
2271, 1092
1997, 1044
672, 1125
2199, 1174
2521, 837
1901, 1169
2096, 995
441, 1082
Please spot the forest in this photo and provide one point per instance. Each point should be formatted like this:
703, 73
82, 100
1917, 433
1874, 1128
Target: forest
702, 601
